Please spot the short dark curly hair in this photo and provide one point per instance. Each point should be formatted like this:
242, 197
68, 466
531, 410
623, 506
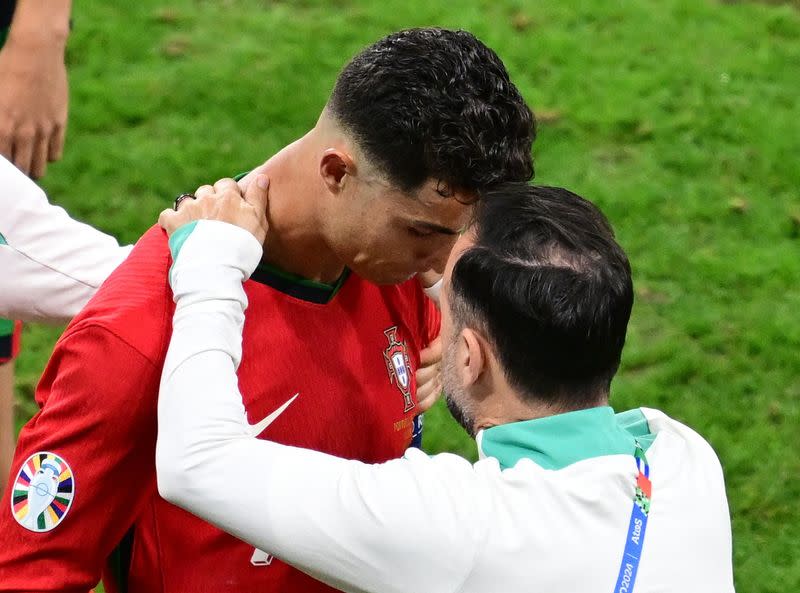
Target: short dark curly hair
550, 288
435, 103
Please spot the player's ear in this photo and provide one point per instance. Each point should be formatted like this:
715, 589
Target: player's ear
334, 167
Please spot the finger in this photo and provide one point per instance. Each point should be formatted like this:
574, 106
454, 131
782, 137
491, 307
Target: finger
257, 195
426, 405
431, 354
6, 144
39, 158
427, 373
171, 221
227, 184
166, 217
201, 207
427, 402
55, 149
245, 181
204, 190
182, 201
424, 387
23, 150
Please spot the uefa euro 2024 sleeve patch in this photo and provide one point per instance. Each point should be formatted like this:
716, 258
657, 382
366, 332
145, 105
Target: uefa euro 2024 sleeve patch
42, 493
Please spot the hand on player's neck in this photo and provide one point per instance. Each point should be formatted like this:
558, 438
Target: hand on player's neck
295, 242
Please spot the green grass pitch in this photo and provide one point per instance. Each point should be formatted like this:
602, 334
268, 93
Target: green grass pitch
680, 118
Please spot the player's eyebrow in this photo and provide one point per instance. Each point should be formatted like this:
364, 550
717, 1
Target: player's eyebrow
435, 228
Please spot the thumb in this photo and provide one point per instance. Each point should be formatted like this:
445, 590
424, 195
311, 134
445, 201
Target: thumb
257, 195
432, 353
250, 178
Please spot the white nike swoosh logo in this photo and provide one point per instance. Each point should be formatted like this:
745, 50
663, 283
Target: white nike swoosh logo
257, 428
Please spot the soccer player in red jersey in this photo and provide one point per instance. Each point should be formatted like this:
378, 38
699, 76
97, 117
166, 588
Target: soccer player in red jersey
417, 126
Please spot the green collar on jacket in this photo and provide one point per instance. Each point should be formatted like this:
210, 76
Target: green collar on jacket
554, 442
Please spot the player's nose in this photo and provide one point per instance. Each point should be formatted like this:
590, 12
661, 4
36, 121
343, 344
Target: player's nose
438, 258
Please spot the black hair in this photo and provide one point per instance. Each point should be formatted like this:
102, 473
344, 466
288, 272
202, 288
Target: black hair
550, 288
436, 103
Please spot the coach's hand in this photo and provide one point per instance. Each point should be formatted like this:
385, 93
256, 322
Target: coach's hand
224, 202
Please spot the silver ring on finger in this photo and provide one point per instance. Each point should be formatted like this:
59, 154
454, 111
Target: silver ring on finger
181, 198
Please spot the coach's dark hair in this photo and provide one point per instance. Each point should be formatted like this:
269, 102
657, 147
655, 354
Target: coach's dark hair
434, 103
550, 288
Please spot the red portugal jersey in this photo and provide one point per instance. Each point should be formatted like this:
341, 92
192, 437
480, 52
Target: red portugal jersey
82, 494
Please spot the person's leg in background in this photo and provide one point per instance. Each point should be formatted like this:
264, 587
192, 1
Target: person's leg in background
9, 346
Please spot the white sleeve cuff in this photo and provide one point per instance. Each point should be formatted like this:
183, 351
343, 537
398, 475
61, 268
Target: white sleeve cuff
211, 248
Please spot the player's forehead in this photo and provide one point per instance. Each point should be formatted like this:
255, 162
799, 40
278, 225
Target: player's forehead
433, 188
437, 204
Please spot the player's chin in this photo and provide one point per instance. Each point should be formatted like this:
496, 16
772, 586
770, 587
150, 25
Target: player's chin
386, 276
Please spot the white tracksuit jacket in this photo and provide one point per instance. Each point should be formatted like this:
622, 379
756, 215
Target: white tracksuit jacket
50, 264
545, 509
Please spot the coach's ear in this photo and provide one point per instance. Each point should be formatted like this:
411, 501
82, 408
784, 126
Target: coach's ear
471, 357
334, 167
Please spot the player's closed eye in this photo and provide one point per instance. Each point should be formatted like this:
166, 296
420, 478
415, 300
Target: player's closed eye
415, 232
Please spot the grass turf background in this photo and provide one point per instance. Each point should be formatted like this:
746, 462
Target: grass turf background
680, 118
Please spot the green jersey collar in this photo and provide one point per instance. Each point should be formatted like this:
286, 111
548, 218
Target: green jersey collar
295, 286
557, 441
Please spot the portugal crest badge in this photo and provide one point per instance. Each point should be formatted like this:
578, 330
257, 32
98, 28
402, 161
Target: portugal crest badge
399, 366
42, 492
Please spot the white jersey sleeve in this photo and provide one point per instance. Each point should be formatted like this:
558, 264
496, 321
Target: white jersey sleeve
50, 264
393, 527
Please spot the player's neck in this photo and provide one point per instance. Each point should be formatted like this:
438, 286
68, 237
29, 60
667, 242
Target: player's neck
295, 242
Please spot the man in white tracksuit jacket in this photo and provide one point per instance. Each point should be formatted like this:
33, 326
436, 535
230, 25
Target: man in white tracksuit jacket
51, 264
568, 496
